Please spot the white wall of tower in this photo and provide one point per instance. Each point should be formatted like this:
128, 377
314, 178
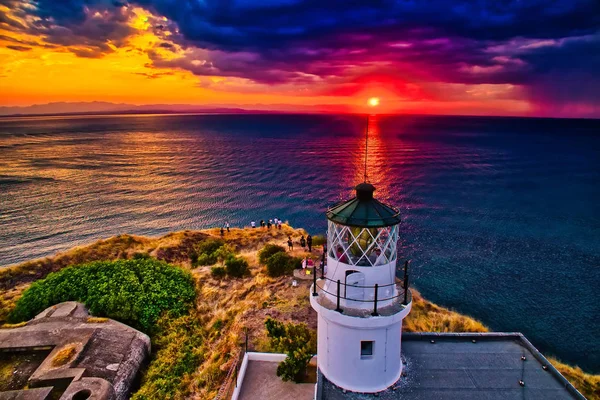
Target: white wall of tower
339, 349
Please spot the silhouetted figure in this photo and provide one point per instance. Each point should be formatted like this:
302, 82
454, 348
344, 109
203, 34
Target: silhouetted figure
222, 232
269, 224
309, 242
290, 243
302, 241
262, 223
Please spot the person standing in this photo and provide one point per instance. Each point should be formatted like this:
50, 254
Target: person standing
253, 224
222, 232
227, 226
290, 243
309, 242
262, 223
279, 223
302, 241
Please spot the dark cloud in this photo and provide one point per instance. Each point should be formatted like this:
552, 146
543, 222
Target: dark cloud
85, 28
154, 75
18, 48
534, 43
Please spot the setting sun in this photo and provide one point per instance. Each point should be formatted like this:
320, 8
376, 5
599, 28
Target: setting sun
374, 101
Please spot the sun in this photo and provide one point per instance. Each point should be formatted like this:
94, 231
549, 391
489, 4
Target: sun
374, 101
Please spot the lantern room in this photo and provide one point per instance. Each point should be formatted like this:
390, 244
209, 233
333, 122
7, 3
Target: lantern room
363, 231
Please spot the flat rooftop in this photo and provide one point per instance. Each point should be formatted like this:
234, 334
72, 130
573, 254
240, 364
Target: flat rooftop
261, 382
478, 366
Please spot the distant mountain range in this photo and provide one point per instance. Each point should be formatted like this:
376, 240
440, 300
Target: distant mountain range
98, 107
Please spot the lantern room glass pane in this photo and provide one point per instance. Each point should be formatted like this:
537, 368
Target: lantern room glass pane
362, 246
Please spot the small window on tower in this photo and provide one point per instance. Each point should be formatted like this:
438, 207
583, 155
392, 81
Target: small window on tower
366, 349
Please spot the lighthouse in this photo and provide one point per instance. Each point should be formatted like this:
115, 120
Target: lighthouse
359, 301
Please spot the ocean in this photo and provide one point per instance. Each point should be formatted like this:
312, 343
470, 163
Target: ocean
501, 216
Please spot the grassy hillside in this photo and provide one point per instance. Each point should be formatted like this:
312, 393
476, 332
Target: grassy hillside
193, 352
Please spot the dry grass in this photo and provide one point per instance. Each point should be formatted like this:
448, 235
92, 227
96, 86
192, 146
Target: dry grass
587, 384
96, 320
64, 355
428, 317
10, 326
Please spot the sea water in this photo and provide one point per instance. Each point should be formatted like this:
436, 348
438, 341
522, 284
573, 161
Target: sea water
501, 216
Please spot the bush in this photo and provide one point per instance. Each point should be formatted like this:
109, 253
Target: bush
319, 240
268, 251
136, 292
281, 264
209, 245
204, 259
298, 342
218, 271
236, 266
223, 253
205, 252
293, 368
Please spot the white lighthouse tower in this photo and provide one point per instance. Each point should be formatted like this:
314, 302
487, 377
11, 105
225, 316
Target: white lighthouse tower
359, 300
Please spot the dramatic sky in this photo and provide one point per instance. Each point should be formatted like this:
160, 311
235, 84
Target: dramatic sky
504, 57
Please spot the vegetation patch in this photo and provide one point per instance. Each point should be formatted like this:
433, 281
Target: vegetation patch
282, 264
178, 351
96, 320
587, 384
218, 271
10, 326
319, 240
236, 266
428, 317
135, 292
269, 250
207, 252
64, 355
298, 342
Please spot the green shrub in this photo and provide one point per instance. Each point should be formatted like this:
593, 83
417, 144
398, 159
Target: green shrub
205, 252
236, 266
136, 292
205, 259
223, 253
268, 251
319, 240
218, 272
298, 342
293, 368
141, 256
281, 264
275, 329
209, 245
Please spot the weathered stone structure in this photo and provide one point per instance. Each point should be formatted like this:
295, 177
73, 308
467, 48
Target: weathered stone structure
89, 358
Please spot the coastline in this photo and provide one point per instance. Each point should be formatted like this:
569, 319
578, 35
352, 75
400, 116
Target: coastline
243, 303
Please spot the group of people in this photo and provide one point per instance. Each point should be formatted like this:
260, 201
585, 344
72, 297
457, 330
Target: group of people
225, 226
268, 224
303, 242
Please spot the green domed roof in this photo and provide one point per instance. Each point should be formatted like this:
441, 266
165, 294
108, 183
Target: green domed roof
364, 210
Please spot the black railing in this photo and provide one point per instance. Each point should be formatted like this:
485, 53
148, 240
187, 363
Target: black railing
376, 300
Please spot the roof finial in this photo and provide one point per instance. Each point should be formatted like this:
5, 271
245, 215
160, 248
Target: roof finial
366, 147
